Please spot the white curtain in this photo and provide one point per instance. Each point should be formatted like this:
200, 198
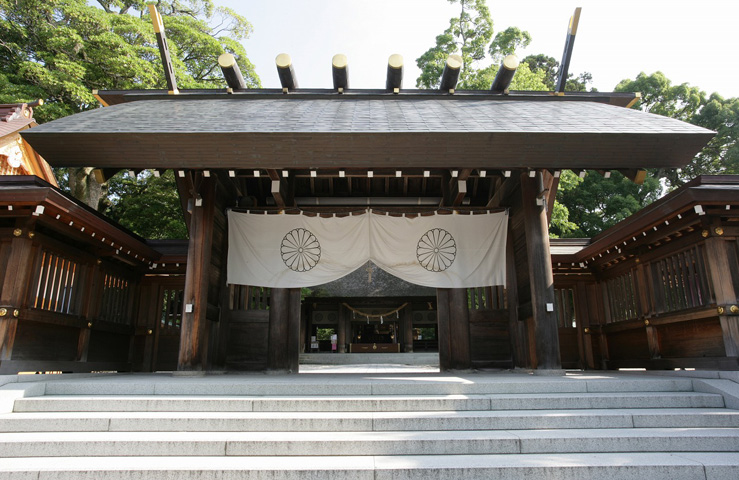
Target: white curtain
441, 251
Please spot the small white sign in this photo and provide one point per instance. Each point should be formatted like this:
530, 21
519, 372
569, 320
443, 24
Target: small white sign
188, 308
550, 307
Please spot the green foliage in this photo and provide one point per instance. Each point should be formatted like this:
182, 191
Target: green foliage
549, 67
560, 224
468, 35
692, 105
146, 204
598, 203
59, 50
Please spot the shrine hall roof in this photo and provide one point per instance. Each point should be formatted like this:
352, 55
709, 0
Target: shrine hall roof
321, 131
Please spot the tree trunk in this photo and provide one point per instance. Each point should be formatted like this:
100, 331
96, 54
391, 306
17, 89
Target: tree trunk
84, 187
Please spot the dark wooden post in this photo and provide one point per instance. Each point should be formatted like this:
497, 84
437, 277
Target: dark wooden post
341, 329
194, 331
13, 296
454, 329
444, 333
284, 330
719, 268
544, 321
93, 284
460, 329
407, 319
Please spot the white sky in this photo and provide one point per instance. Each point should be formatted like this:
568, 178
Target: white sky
689, 41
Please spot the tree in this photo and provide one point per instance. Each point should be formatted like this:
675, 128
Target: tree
597, 203
145, 205
549, 67
690, 104
60, 50
468, 35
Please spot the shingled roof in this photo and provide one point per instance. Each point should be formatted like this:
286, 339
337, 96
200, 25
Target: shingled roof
284, 131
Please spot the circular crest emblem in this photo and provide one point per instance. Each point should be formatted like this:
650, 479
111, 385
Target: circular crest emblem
436, 250
300, 250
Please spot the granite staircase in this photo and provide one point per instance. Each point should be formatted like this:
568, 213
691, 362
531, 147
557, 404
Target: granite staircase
501, 426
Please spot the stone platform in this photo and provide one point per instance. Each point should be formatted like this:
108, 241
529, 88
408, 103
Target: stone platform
380, 425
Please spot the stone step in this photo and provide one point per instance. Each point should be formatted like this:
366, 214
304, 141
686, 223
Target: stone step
81, 444
634, 466
335, 385
368, 403
369, 421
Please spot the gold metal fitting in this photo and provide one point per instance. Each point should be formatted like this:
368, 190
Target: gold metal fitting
17, 232
16, 312
704, 233
89, 324
719, 231
637, 260
150, 331
31, 234
99, 261
720, 310
3, 312
586, 330
734, 309
646, 322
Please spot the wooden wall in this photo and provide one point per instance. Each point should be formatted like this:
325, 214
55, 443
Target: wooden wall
75, 312
670, 307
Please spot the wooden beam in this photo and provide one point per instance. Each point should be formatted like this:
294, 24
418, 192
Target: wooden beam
102, 175
185, 188
551, 183
194, 331
281, 190
503, 193
564, 66
637, 175
286, 72
539, 259
450, 75
340, 72
231, 71
505, 74
169, 75
394, 81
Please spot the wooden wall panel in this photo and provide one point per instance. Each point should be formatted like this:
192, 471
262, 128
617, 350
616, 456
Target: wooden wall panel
108, 347
628, 345
44, 341
700, 338
248, 340
490, 342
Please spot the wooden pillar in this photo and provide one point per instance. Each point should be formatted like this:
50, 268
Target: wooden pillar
544, 321
407, 319
719, 269
341, 329
194, 332
283, 353
454, 329
293, 336
14, 289
444, 333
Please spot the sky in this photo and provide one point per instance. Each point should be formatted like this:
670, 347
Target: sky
690, 42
